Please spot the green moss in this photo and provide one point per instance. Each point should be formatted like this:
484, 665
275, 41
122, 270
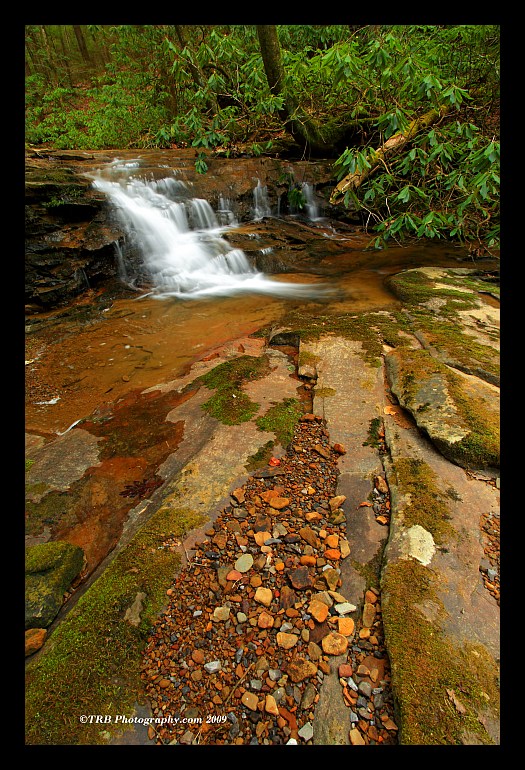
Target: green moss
29, 463
445, 335
281, 419
261, 457
306, 357
481, 445
374, 437
427, 505
415, 288
91, 662
230, 405
425, 665
370, 571
52, 509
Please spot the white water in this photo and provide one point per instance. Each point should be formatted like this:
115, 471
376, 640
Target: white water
180, 242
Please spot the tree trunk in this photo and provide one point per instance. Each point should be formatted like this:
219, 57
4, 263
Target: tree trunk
391, 147
305, 131
82, 47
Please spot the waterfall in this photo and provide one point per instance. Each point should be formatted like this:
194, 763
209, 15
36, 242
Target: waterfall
312, 208
178, 240
261, 205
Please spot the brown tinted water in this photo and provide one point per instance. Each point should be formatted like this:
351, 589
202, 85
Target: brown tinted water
74, 366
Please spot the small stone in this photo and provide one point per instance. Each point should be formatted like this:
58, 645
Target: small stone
345, 626
309, 561
265, 620
264, 596
279, 503
287, 598
389, 724
365, 688
331, 576
300, 578
308, 696
332, 541
369, 614
270, 705
300, 669
344, 547
261, 537
197, 656
314, 651
356, 739
370, 597
310, 536
318, 610
322, 450
306, 732
336, 502
34, 639
250, 700
345, 670
334, 554
287, 641
244, 562
164, 683
381, 485
334, 643
238, 495
213, 666
234, 575
220, 614
344, 608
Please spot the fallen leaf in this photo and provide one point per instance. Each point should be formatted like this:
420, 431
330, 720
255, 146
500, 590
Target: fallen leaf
460, 708
362, 505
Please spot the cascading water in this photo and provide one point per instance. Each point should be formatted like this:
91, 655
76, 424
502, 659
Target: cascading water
261, 205
312, 208
180, 242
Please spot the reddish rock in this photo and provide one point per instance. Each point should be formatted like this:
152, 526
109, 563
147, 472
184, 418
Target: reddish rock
334, 554
34, 639
300, 578
265, 620
279, 503
300, 669
197, 656
238, 495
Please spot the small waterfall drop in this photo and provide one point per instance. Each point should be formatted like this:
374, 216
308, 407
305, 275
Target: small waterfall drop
261, 205
312, 209
179, 241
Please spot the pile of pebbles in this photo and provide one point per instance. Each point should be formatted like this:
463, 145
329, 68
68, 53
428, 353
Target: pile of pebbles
489, 567
255, 620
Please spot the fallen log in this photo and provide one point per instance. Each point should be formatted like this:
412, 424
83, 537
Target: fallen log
391, 147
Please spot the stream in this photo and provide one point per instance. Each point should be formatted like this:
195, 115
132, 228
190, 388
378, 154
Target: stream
187, 289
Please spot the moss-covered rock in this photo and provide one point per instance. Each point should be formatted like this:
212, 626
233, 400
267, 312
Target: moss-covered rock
49, 571
459, 417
